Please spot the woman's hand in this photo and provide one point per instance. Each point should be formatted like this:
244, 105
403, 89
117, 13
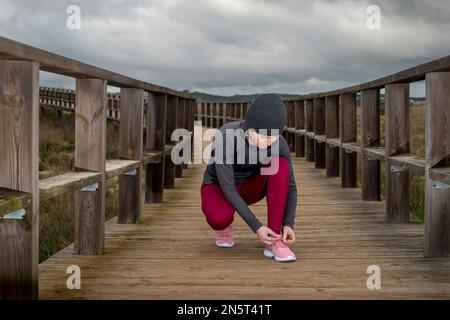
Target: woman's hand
266, 235
288, 235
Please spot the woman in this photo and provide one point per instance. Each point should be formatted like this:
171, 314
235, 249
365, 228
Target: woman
235, 178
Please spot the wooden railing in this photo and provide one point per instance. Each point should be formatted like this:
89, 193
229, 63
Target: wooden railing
64, 100
20, 188
323, 128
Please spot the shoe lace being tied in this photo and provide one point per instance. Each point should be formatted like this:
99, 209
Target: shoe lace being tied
281, 244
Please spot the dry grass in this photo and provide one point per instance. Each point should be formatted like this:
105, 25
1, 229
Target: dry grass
417, 147
57, 145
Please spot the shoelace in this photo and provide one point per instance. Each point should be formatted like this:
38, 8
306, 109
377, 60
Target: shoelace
280, 244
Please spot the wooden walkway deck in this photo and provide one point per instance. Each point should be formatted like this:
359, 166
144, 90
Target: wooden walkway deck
172, 254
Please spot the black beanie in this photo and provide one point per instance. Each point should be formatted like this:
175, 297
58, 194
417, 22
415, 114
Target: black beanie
266, 112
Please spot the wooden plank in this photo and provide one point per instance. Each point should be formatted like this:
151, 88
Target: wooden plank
332, 132
19, 167
67, 182
180, 124
11, 201
90, 154
321, 138
319, 130
377, 152
437, 157
171, 116
58, 64
309, 127
347, 133
338, 237
370, 137
411, 162
131, 148
156, 139
335, 142
299, 106
352, 146
397, 143
440, 174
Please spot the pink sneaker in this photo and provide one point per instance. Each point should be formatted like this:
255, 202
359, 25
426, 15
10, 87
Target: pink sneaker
225, 237
279, 251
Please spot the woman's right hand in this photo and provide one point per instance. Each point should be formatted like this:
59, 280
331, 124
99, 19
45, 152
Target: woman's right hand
266, 235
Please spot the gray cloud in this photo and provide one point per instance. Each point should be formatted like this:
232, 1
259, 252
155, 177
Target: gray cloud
236, 46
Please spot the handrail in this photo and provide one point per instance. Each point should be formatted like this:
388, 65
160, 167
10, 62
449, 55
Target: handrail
161, 110
54, 63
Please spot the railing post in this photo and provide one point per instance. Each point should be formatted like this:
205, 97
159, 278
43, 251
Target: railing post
397, 142
203, 114
187, 112
299, 125
171, 123
319, 129
370, 137
437, 155
347, 109
156, 140
90, 154
130, 148
181, 112
332, 132
19, 171
290, 124
309, 109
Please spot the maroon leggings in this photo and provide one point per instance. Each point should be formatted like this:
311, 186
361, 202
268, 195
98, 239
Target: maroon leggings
220, 213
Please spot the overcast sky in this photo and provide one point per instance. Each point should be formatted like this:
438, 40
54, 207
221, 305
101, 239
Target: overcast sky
236, 46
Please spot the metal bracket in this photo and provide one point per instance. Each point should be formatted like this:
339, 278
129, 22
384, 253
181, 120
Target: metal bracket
17, 215
131, 173
397, 168
91, 187
440, 185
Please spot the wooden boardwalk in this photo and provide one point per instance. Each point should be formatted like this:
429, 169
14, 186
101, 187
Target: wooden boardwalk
172, 254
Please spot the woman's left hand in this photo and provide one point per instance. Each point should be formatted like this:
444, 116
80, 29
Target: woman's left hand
288, 235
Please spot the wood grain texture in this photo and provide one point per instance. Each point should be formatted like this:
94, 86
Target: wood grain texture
90, 124
397, 142
437, 155
338, 237
131, 123
156, 140
171, 118
319, 129
90, 154
299, 106
54, 63
370, 133
332, 132
130, 147
309, 127
19, 165
347, 133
